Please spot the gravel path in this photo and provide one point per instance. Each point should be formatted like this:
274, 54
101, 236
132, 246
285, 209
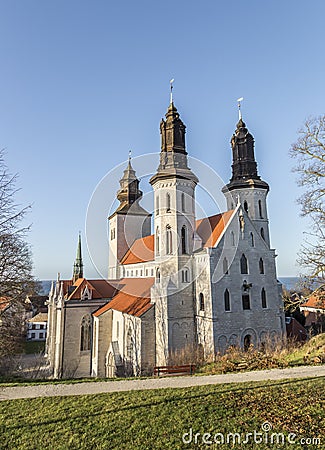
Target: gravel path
58, 390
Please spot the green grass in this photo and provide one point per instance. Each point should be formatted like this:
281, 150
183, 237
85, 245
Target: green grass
158, 419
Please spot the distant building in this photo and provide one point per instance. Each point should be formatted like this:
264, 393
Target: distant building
314, 311
37, 327
208, 283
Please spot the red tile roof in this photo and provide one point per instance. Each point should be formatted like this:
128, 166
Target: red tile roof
210, 228
133, 297
316, 300
142, 250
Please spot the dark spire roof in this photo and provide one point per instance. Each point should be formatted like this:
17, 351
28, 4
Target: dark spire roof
129, 193
244, 166
173, 155
78, 264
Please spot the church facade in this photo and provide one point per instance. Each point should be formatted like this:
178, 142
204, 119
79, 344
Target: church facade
174, 281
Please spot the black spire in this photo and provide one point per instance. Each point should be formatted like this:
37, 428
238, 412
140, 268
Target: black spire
129, 193
173, 155
244, 167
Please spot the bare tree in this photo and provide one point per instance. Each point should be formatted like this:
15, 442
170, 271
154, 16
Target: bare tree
309, 151
16, 280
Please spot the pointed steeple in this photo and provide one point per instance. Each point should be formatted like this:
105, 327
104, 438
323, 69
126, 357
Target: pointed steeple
78, 264
244, 166
173, 155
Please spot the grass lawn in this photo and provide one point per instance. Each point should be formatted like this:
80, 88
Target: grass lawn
158, 419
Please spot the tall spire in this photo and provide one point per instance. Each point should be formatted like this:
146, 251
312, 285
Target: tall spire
173, 155
244, 166
78, 264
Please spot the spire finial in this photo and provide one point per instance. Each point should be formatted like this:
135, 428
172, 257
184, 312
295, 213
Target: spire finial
239, 100
171, 90
130, 155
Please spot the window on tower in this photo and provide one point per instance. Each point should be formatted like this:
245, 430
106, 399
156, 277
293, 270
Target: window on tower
169, 240
201, 302
226, 297
232, 238
261, 266
263, 298
245, 206
168, 202
260, 209
183, 202
225, 266
157, 205
262, 233
252, 239
157, 241
246, 301
158, 275
184, 240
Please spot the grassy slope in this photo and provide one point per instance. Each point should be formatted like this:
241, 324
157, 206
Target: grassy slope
158, 419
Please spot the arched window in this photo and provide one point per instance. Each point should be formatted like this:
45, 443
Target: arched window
225, 266
226, 297
245, 206
261, 266
252, 239
243, 264
157, 205
157, 241
247, 342
184, 240
232, 238
167, 202
201, 301
262, 233
158, 275
85, 333
246, 301
260, 209
169, 240
185, 276
263, 298
183, 202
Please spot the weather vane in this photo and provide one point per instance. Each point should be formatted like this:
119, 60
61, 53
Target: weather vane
239, 100
171, 90
130, 154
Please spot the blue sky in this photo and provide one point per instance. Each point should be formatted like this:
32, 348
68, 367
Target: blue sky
82, 82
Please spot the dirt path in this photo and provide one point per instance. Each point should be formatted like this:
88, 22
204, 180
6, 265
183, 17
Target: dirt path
54, 390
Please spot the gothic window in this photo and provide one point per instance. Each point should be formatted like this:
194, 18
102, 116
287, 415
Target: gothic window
225, 266
157, 241
157, 205
246, 301
252, 239
232, 238
85, 333
243, 264
201, 301
167, 202
226, 297
262, 233
183, 239
245, 206
261, 266
183, 202
263, 298
112, 234
260, 209
158, 275
185, 276
169, 240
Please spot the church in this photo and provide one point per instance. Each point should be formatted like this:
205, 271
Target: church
175, 281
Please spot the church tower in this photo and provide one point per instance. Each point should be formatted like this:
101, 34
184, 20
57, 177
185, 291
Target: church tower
245, 186
78, 264
175, 239
129, 222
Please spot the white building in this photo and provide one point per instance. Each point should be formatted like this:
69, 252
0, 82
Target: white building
37, 327
207, 282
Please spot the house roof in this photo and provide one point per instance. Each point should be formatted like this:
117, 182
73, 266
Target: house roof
4, 304
133, 297
41, 317
141, 250
316, 300
210, 228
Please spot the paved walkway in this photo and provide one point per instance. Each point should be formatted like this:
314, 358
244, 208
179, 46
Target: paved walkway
58, 390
